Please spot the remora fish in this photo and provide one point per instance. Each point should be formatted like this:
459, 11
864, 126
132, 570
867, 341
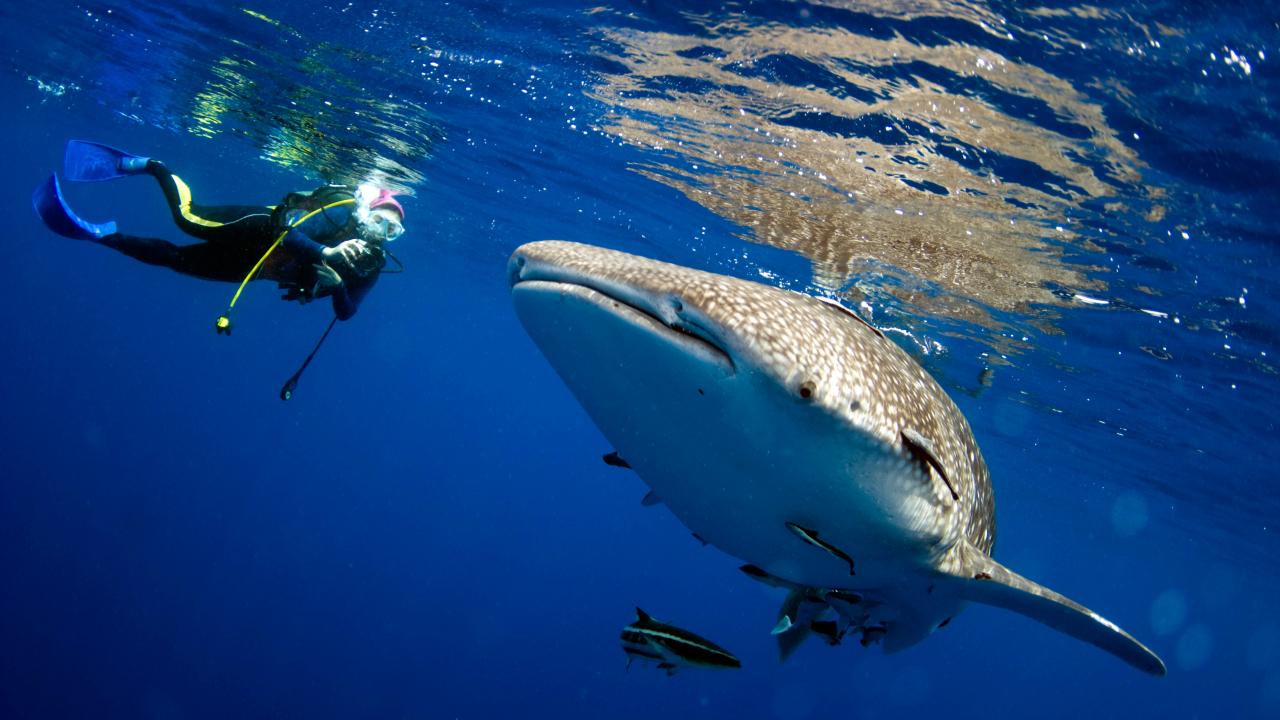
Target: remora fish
672, 647
752, 411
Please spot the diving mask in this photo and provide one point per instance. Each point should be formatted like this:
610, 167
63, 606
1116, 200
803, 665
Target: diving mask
380, 227
389, 227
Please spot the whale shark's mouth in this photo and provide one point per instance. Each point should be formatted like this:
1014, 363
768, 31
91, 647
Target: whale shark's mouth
660, 314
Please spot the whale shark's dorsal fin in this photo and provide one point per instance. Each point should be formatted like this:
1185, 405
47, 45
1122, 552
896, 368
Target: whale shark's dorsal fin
983, 580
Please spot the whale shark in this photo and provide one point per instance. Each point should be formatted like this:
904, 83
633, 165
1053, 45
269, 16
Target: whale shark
790, 433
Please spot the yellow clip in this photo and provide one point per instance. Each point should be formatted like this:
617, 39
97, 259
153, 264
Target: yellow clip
223, 325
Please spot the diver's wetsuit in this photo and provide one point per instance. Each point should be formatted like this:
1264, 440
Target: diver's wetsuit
235, 237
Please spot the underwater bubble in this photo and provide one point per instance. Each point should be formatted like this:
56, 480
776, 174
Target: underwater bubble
1129, 513
1194, 647
1263, 649
1168, 612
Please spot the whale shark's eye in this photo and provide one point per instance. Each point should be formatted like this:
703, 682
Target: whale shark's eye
807, 389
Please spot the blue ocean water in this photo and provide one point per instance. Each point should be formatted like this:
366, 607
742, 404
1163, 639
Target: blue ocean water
1064, 211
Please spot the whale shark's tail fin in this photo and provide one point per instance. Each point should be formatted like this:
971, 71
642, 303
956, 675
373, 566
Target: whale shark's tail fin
983, 580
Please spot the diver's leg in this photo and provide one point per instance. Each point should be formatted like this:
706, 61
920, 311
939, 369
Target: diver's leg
212, 223
203, 260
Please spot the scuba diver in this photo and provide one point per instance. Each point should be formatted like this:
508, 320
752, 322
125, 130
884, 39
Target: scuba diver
330, 242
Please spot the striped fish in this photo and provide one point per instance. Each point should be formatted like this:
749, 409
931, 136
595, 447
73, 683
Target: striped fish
671, 647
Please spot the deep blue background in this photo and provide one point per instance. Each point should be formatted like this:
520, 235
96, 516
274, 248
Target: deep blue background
427, 530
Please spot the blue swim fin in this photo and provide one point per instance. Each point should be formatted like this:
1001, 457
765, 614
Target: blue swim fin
87, 161
53, 210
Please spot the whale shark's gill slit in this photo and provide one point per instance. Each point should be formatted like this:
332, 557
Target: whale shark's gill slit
921, 452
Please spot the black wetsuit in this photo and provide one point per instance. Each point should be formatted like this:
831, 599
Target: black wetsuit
235, 237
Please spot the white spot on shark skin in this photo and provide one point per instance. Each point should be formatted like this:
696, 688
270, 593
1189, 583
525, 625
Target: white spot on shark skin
1194, 647
1129, 513
1168, 612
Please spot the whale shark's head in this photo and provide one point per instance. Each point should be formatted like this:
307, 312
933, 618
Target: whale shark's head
794, 358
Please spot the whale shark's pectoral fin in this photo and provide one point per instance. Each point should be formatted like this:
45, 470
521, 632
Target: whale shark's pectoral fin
983, 580
921, 452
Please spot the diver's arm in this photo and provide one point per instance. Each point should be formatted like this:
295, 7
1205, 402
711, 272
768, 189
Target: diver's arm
348, 290
301, 244
347, 297
339, 256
